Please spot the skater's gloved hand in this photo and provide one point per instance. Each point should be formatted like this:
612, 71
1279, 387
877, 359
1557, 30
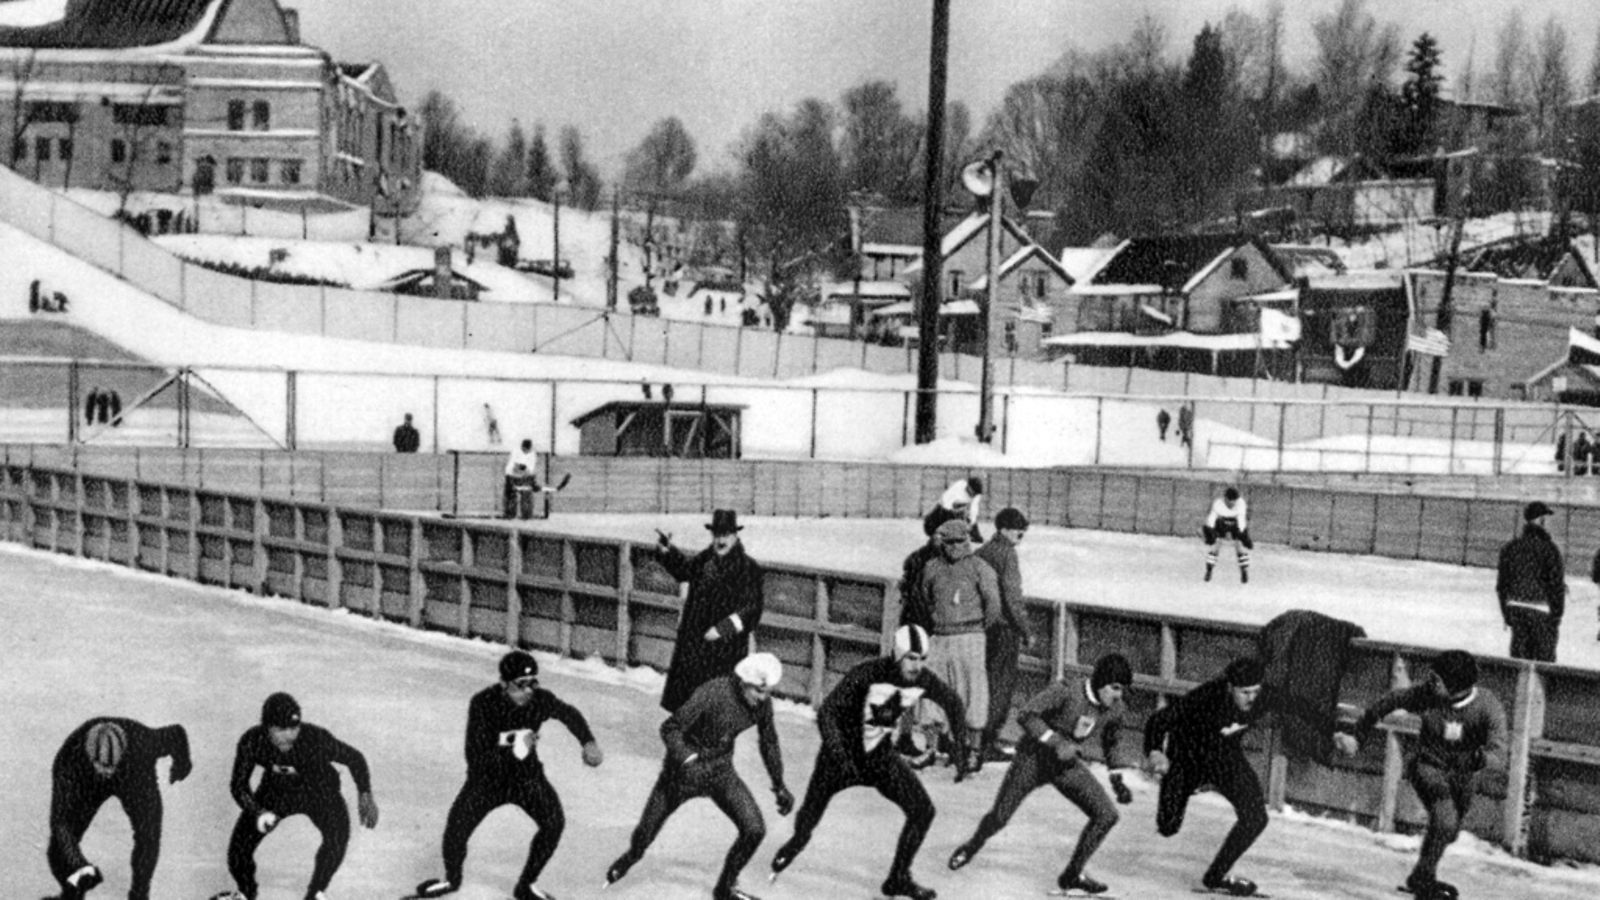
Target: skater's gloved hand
85, 879
266, 822
1066, 751
1346, 743
1120, 789
591, 754
181, 767
785, 800
522, 742
663, 539
1157, 763
367, 809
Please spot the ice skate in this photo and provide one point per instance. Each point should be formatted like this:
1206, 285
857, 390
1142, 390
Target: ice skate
617, 870
1079, 885
435, 887
1231, 885
531, 892
732, 893
964, 854
904, 886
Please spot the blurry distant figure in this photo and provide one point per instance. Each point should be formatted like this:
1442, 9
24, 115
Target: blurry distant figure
666, 393
1561, 452
91, 405
491, 424
723, 305
114, 406
1163, 421
1582, 449
708, 304
645, 386
406, 438
1186, 425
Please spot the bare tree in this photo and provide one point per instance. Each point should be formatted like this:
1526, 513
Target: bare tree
583, 179
1354, 52
878, 144
509, 175
22, 69
1552, 85
1512, 66
1591, 84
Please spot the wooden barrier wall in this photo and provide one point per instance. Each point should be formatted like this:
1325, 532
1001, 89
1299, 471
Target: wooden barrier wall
593, 596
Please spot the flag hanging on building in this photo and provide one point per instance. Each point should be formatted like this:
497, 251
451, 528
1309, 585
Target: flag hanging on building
1431, 343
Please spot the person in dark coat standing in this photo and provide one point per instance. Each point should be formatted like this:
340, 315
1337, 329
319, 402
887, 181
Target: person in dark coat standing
104, 758
722, 610
1003, 641
1186, 425
1532, 588
1163, 422
406, 437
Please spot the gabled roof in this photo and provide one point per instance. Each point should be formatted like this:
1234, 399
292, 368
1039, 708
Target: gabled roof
1310, 261
969, 228
1537, 258
1023, 254
1081, 262
121, 24
895, 226
1174, 261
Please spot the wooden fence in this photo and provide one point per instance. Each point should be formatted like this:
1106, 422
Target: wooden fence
594, 596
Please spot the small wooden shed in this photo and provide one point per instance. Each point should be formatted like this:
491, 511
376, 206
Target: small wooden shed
655, 428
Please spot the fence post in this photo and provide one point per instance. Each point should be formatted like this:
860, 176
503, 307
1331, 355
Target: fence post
1066, 632
415, 604
1283, 415
1169, 656
813, 452
569, 611
819, 656
1527, 723
1499, 440
1393, 760
1099, 407
465, 559
624, 607
258, 548
513, 630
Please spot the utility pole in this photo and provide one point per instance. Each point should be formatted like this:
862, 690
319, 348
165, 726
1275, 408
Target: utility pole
1446, 312
555, 264
991, 294
611, 281
932, 203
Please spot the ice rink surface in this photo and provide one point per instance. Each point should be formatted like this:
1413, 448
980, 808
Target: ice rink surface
84, 638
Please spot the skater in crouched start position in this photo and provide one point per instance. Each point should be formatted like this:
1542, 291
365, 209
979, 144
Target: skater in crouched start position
101, 759
1058, 721
1229, 517
503, 766
858, 720
1195, 741
699, 763
1463, 731
296, 760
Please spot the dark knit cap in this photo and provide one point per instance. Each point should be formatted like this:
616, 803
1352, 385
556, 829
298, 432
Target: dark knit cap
975, 485
280, 711
1246, 671
1011, 517
1535, 510
1113, 668
1457, 669
518, 664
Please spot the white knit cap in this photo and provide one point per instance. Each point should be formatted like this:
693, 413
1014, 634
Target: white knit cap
761, 670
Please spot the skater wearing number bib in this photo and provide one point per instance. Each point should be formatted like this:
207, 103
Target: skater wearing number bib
503, 766
1463, 732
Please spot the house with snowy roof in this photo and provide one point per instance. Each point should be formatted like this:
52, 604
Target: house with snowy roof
200, 97
1222, 303
1031, 285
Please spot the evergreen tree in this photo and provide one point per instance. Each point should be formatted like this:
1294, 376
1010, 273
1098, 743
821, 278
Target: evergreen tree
542, 175
1419, 97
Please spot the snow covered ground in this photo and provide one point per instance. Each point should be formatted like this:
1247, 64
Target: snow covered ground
86, 638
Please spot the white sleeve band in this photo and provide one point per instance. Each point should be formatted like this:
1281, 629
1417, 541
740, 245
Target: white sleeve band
1048, 734
738, 623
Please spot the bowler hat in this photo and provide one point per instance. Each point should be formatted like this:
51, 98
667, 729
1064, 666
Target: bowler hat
724, 521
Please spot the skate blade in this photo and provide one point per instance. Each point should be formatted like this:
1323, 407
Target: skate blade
1221, 892
1058, 892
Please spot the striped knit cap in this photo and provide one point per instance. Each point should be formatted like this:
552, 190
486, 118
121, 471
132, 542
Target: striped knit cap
105, 744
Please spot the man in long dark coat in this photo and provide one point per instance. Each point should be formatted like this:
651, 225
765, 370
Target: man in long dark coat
723, 608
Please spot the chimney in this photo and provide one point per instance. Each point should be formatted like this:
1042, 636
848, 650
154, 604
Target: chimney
441, 273
291, 24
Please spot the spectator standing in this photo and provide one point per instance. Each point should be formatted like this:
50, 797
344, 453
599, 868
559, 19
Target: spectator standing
492, 425
1163, 421
1004, 640
1582, 451
91, 405
722, 610
406, 438
962, 595
961, 500
1532, 588
1186, 424
114, 403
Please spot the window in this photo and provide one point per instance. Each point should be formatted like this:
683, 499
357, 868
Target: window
64, 148
235, 115
52, 111
1240, 267
261, 115
41, 149
955, 282
234, 170
1470, 387
164, 152
138, 114
289, 171
119, 150
19, 152
1485, 330
259, 171
1011, 337
1042, 285
1046, 329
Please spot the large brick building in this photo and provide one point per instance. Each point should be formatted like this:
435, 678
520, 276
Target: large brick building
192, 97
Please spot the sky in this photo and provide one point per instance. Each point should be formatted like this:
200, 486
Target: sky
613, 68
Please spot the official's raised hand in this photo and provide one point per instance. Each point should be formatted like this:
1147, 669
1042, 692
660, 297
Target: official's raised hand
181, 767
367, 809
1157, 763
785, 800
663, 539
591, 754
